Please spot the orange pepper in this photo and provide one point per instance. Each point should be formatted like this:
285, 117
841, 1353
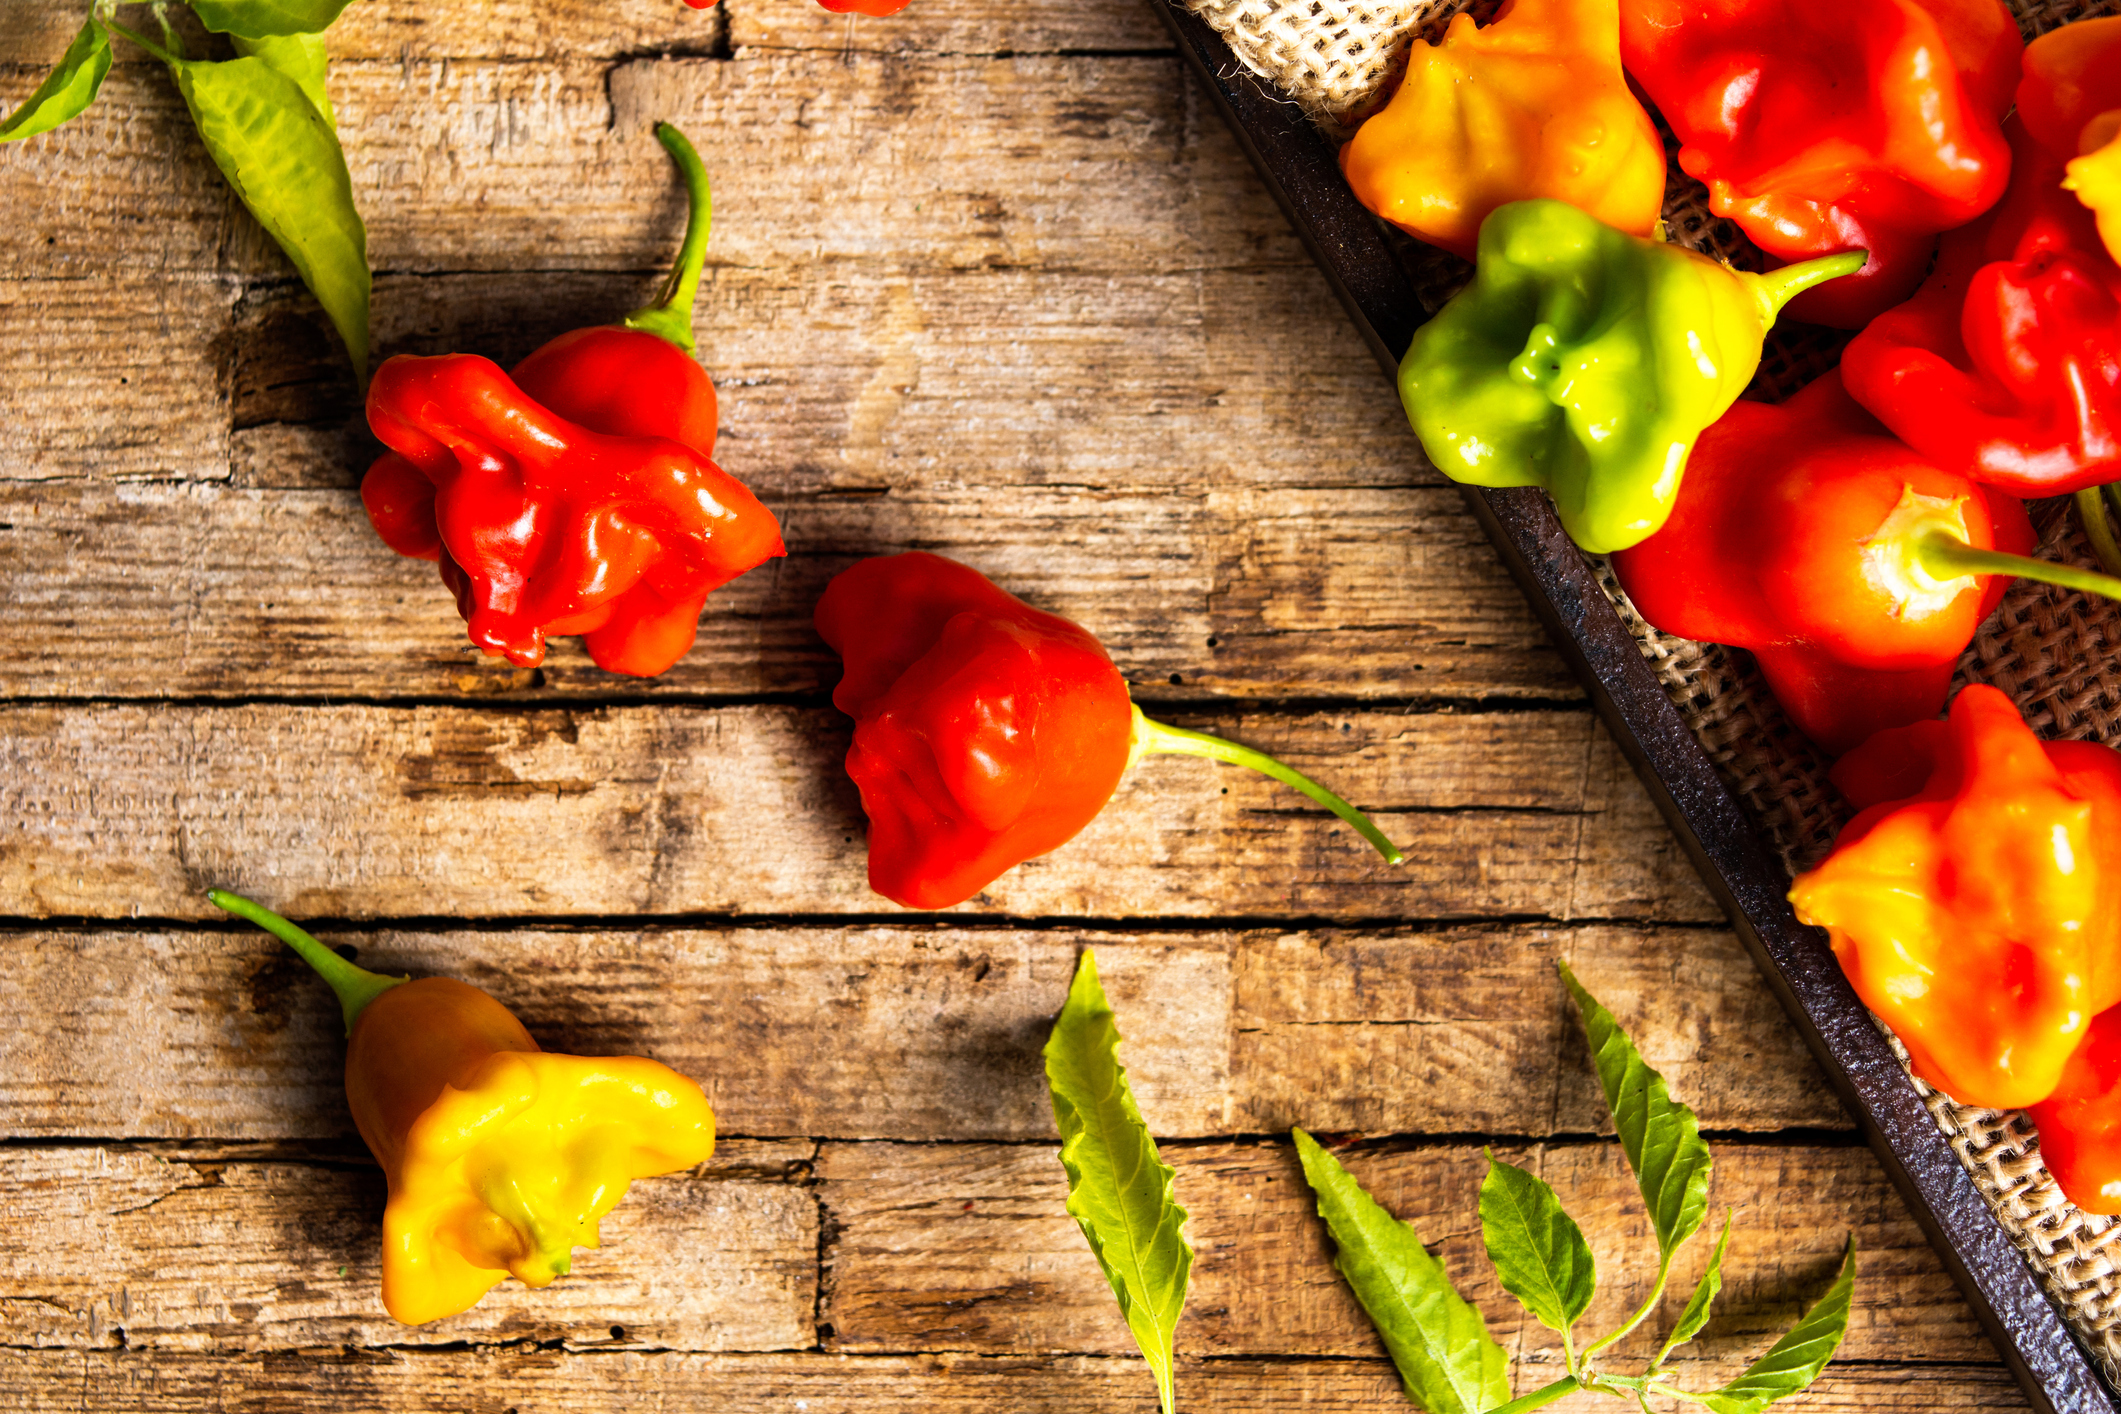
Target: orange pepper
1975, 902
1531, 105
501, 1158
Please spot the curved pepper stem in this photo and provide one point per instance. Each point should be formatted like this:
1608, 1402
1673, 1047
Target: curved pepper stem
670, 317
1152, 737
2091, 510
1778, 287
356, 986
1945, 556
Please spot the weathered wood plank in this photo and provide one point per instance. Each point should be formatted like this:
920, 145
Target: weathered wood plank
551, 1382
969, 1247
107, 1247
935, 162
950, 26
930, 1034
369, 812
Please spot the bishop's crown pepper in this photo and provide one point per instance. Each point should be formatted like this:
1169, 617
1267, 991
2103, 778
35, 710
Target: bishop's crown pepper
2007, 361
1869, 125
1587, 361
1854, 569
1975, 900
2070, 97
501, 1158
2080, 1121
988, 732
1532, 104
577, 494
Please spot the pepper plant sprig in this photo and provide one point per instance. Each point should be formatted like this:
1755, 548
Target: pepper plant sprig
1448, 1361
266, 121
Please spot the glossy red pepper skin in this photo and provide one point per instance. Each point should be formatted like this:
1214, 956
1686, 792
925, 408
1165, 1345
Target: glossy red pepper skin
1775, 546
545, 525
1819, 128
2080, 1122
2008, 360
986, 731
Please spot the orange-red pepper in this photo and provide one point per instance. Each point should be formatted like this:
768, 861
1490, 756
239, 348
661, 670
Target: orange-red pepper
1975, 900
988, 732
501, 1158
579, 496
1829, 127
2070, 98
2080, 1123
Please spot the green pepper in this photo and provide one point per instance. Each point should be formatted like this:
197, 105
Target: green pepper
1586, 361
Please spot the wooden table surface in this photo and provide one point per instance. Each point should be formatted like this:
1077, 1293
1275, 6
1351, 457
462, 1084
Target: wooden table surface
987, 278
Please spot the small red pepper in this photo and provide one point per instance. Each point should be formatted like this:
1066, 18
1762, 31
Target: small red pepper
2008, 360
986, 731
1853, 568
579, 496
1822, 128
1975, 900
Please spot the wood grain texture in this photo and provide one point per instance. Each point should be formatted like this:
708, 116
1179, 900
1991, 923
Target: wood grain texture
535, 1381
932, 1034
365, 812
110, 1247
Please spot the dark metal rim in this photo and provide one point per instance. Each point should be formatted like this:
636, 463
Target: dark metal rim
1300, 169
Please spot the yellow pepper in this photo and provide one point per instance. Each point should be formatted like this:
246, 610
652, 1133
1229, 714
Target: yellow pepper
1531, 105
501, 1158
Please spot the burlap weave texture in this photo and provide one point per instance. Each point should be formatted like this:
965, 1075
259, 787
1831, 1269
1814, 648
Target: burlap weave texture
2053, 651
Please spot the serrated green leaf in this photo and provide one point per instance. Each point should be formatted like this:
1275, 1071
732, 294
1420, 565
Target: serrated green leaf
1696, 1314
301, 57
1119, 1189
1795, 1360
1538, 1250
68, 89
1446, 1358
263, 19
284, 161
1660, 1136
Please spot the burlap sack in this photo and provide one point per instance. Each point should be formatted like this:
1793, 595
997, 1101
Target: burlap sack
2057, 653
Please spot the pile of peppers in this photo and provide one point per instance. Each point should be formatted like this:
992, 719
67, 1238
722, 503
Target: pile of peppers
1912, 171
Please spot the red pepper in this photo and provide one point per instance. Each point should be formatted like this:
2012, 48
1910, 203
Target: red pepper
987, 732
2008, 360
1854, 569
1975, 900
2080, 1122
579, 497
1869, 125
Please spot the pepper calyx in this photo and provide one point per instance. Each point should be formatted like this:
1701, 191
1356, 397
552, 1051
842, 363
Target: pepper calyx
1151, 737
355, 986
1893, 558
670, 316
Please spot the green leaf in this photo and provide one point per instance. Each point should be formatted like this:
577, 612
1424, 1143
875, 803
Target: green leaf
68, 89
1119, 1189
1660, 1136
1795, 1360
1446, 1358
262, 19
284, 161
1538, 1250
1696, 1314
301, 57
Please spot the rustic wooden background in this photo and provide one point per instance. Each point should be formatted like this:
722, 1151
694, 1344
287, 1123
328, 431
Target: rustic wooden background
987, 278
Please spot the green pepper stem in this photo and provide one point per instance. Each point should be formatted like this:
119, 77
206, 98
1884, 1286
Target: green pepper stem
142, 40
1778, 287
356, 986
1945, 556
670, 317
1539, 1398
2091, 509
1151, 737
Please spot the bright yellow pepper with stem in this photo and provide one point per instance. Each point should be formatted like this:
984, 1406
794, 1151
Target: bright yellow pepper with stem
501, 1158
1531, 105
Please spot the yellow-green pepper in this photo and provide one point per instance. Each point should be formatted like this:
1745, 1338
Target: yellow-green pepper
1586, 360
501, 1158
